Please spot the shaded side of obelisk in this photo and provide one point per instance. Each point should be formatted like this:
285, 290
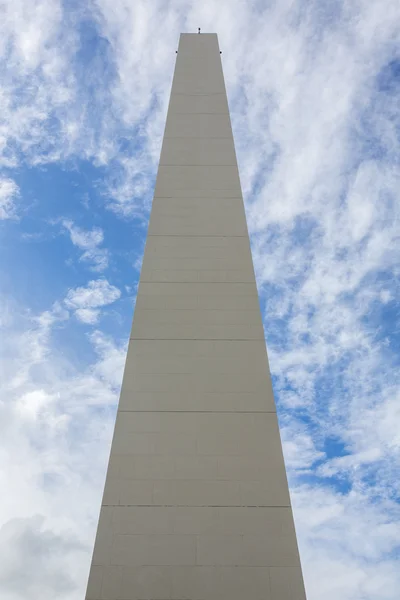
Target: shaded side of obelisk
196, 503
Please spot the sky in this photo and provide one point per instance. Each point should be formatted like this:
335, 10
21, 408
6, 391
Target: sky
313, 88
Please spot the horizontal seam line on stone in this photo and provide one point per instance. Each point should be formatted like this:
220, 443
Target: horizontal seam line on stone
216, 283
196, 137
194, 95
175, 533
198, 339
220, 393
200, 113
199, 308
202, 197
196, 281
185, 198
180, 166
194, 235
206, 505
180, 479
221, 412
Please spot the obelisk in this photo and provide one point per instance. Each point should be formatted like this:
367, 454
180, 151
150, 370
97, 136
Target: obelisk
196, 503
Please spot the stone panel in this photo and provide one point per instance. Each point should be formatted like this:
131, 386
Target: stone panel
198, 151
198, 125
195, 401
139, 550
196, 504
174, 177
203, 103
287, 583
218, 247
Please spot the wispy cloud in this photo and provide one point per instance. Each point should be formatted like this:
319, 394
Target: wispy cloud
87, 301
49, 419
313, 91
89, 242
9, 192
43, 552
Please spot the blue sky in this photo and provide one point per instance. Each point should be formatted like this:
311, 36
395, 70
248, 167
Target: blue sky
313, 89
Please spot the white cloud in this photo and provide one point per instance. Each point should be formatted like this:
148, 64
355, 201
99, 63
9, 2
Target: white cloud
86, 301
299, 448
348, 544
49, 419
31, 404
35, 341
9, 192
85, 240
87, 315
112, 362
89, 242
344, 464
44, 554
316, 137
38, 84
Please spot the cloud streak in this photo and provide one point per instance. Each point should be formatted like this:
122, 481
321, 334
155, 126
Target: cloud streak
89, 242
9, 192
87, 301
49, 418
313, 91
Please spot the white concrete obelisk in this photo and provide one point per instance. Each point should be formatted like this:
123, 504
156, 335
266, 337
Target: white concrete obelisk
196, 503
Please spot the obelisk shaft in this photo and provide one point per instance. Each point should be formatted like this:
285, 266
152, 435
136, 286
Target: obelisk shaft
196, 503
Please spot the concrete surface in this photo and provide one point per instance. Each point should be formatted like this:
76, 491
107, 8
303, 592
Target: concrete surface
196, 503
